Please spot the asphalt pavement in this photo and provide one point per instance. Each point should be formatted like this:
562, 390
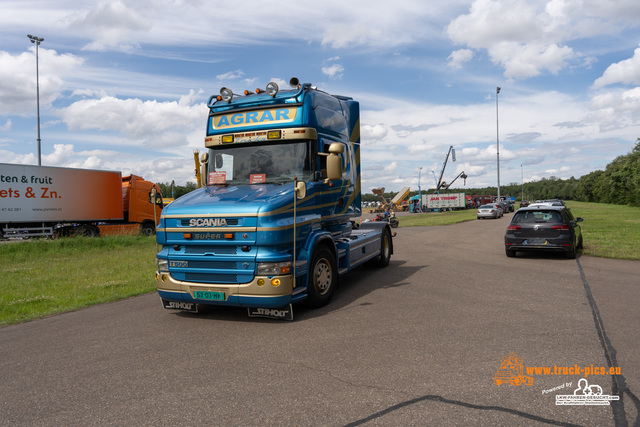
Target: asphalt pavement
417, 343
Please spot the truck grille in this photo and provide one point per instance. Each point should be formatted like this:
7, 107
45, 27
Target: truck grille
209, 249
213, 278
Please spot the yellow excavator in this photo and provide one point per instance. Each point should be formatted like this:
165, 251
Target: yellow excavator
395, 204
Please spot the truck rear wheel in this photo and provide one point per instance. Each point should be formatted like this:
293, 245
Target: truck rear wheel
87, 230
323, 278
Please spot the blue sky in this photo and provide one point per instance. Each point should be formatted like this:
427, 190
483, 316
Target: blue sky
123, 85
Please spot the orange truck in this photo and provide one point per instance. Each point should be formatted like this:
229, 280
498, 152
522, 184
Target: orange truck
43, 201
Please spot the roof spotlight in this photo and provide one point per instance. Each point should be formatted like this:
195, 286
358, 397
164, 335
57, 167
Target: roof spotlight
272, 89
226, 94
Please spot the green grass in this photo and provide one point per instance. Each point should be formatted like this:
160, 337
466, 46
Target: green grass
438, 218
609, 231
43, 277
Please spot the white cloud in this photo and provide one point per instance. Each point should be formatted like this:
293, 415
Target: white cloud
231, 75
146, 111
529, 38
112, 25
60, 156
615, 110
349, 24
391, 167
18, 79
627, 72
131, 26
23, 159
370, 134
555, 172
333, 71
521, 60
422, 146
459, 57
158, 124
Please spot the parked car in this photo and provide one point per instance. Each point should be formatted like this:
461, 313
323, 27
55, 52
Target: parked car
509, 205
504, 205
524, 203
544, 204
491, 210
548, 202
543, 228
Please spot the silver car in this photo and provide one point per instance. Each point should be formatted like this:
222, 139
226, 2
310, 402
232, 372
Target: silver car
490, 210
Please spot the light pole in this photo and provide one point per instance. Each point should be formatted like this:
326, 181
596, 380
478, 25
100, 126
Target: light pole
498, 141
522, 178
419, 190
37, 40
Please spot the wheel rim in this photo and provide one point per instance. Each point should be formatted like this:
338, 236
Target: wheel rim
322, 276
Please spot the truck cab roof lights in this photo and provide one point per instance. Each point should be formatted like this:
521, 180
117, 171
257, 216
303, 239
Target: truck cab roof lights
248, 92
294, 82
272, 89
226, 94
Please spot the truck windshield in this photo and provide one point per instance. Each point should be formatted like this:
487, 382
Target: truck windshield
264, 163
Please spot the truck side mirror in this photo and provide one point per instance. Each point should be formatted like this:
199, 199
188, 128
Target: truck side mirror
204, 160
301, 189
334, 161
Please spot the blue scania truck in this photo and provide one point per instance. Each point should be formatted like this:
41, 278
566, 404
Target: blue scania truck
272, 224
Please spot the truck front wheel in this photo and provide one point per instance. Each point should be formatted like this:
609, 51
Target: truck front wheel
148, 229
385, 248
323, 278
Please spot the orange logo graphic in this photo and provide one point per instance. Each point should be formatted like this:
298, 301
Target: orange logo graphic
511, 371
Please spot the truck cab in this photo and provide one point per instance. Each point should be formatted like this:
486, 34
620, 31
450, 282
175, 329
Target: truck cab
141, 204
271, 225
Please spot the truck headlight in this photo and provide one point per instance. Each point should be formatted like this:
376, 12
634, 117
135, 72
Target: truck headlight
163, 264
274, 268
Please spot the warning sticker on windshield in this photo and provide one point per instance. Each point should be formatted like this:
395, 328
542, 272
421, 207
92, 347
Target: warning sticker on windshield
217, 178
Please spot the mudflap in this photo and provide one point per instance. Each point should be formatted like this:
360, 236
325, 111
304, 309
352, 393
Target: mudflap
191, 307
283, 313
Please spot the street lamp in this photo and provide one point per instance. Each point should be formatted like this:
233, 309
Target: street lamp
37, 40
498, 141
522, 173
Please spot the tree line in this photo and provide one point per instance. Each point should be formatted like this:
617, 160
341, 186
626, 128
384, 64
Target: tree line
171, 190
618, 184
